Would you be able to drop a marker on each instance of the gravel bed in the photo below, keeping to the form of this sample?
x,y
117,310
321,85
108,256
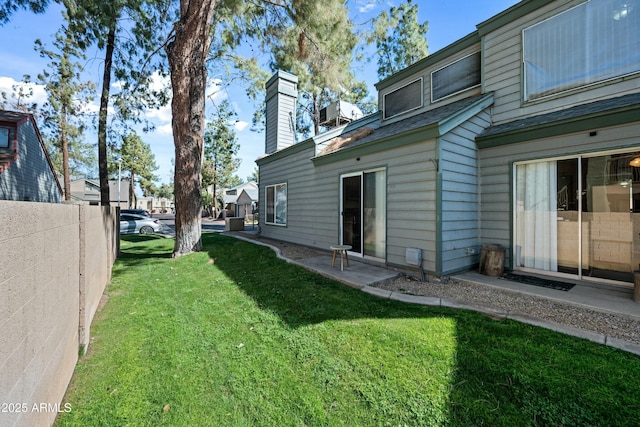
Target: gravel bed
x,y
493,299
505,300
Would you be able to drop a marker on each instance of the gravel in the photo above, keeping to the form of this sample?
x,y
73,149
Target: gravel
x,y
504,300
493,299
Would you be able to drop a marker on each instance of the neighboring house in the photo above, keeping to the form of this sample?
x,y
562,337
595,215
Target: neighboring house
x,y
155,204
525,133
241,201
86,190
26,172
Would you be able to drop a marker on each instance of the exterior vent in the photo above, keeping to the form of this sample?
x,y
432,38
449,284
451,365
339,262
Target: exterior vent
x,y
413,256
339,113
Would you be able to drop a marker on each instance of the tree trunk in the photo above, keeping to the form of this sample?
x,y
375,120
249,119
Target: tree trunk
x,y
64,142
102,118
131,190
187,55
316,116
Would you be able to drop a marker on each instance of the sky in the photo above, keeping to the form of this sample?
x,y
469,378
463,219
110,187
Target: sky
x,y
446,25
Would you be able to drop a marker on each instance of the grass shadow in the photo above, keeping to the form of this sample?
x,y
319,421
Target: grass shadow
x,y
133,254
501,367
237,326
299,297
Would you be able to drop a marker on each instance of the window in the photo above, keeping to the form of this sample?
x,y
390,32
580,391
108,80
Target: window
x,y
406,98
456,77
4,138
576,215
276,197
595,41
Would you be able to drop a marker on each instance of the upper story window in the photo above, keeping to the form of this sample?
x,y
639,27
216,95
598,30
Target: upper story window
x,y
456,77
276,200
595,41
401,100
4,138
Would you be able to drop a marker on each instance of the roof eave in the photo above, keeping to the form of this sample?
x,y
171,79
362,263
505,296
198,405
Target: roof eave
x,y
429,131
587,122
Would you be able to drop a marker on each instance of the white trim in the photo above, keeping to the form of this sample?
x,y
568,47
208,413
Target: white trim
x,y
578,157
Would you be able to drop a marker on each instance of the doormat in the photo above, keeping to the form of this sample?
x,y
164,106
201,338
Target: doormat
x,y
537,281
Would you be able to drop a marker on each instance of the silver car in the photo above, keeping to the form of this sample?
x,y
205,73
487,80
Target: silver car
x,y
132,223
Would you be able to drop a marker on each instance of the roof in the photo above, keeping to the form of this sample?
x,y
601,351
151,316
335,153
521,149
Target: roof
x,y
19,118
14,116
436,119
250,187
603,113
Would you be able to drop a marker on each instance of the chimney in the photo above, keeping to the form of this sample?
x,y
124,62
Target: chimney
x,y
280,120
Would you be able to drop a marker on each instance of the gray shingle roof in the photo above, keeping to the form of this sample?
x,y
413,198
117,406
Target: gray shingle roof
x,y
431,117
571,113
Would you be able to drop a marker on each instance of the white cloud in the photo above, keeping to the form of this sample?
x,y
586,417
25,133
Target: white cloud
x,y
159,82
39,95
215,91
366,6
162,114
165,129
241,125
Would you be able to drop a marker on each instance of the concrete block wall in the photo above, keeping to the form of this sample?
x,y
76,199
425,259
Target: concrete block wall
x,y
100,238
51,257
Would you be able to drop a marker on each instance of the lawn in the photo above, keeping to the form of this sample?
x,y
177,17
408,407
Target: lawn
x,y
234,336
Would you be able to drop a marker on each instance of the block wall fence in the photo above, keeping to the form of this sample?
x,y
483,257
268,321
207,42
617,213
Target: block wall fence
x,y
55,262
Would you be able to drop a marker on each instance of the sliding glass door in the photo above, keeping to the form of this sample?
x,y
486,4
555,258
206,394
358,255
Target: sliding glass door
x,y
363,211
579,216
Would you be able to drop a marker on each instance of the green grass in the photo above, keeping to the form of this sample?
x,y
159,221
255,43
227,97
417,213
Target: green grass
x,y
236,337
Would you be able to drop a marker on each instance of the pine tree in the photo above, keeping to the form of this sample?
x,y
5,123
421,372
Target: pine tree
x,y
67,97
399,38
220,151
135,159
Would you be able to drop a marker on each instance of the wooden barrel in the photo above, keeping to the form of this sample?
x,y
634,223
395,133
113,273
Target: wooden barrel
x,y
492,260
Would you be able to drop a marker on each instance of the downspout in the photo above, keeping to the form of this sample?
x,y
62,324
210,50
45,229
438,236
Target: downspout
x,y
439,267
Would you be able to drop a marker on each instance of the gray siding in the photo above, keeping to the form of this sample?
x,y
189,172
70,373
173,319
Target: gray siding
x,y
281,94
460,200
314,198
496,172
29,178
503,71
425,73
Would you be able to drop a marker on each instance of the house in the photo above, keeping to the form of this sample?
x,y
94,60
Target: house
x,y
525,133
241,201
26,171
155,204
86,190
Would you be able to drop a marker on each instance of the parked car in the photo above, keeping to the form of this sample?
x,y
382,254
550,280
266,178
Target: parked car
x,y
132,223
136,212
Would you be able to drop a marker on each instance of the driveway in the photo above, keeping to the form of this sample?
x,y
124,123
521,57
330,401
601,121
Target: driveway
x,y
208,224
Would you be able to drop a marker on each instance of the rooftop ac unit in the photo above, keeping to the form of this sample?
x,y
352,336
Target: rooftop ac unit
x,y
339,113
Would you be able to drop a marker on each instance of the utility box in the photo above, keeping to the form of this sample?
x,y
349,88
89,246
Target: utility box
x,y
234,224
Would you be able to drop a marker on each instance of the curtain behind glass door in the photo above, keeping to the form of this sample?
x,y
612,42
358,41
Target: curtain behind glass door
x,y
536,234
